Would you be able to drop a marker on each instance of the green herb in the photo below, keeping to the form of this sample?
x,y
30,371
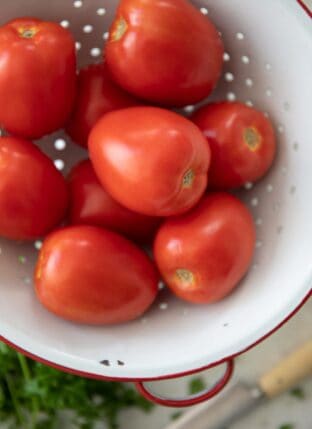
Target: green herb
x,y
287,426
298,393
30,394
176,415
196,385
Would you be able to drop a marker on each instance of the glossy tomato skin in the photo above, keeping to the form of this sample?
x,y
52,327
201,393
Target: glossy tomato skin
x,y
203,254
150,160
33,193
115,283
90,204
174,49
242,143
37,77
97,94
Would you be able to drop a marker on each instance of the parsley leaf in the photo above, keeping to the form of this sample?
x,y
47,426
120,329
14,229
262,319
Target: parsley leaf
x,y
196,385
30,394
298,393
287,426
176,415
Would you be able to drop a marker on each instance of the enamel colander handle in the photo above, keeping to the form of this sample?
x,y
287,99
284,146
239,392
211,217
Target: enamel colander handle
x,y
193,399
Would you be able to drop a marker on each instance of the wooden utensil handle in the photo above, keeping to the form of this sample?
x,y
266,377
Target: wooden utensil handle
x,y
288,372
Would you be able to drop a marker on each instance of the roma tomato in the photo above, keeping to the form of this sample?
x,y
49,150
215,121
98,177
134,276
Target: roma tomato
x,y
115,283
242,143
150,160
90,204
203,254
96,94
33,193
37,77
164,51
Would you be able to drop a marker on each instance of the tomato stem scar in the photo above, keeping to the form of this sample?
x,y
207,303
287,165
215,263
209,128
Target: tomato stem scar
x,y
119,29
185,277
252,138
188,179
28,33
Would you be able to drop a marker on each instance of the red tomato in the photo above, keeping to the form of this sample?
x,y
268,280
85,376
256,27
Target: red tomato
x,y
97,94
242,143
37,77
150,160
164,51
33,193
90,204
203,254
115,283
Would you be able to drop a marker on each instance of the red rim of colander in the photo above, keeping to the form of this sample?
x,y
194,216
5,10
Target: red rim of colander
x,y
305,7
164,377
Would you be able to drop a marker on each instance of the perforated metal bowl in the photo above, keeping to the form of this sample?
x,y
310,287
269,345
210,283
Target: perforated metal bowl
x,y
268,65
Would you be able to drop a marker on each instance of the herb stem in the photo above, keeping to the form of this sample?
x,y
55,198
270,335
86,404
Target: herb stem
x,y
24,366
15,402
27,375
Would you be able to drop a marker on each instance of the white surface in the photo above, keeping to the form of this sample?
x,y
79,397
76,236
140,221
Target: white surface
x,y
185,337
249,367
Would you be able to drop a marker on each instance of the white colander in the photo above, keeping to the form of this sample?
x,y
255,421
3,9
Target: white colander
x,y
268,64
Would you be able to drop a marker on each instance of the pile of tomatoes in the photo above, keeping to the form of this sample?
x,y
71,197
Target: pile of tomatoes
x,y
153,177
